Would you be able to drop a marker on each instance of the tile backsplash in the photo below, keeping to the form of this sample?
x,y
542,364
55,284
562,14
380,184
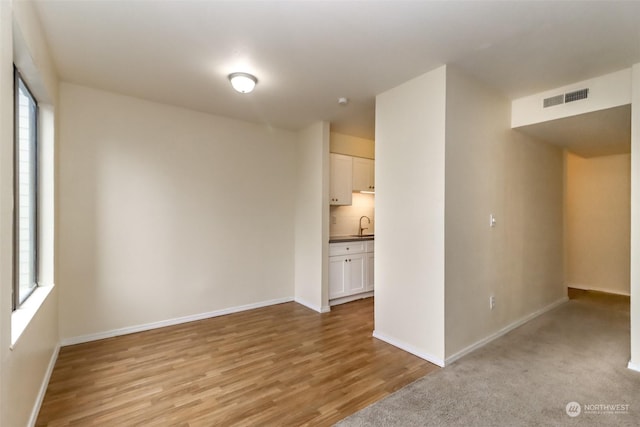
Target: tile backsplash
x,y
344,220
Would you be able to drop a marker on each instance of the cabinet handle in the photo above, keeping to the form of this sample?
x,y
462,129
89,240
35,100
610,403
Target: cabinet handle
x,y
347,248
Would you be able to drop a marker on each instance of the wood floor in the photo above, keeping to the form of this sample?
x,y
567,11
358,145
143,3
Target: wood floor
x,y
282,365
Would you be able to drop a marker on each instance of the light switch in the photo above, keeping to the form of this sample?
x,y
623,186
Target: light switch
x,y
492,220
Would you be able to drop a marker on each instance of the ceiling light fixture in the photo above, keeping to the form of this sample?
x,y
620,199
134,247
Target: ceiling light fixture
x,y
243,82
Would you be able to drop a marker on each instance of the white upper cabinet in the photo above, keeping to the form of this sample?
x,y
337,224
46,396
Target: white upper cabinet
x,y
363,174
340,179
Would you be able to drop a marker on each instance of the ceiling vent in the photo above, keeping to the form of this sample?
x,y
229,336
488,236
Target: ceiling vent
x,y
554,100
576,95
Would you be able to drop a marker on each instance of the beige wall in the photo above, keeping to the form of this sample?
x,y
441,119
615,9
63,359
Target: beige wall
x,y
24,367
446,158
27,366
493,169
598,223
410,183
312,217
345,220
352,145
166,212
634,363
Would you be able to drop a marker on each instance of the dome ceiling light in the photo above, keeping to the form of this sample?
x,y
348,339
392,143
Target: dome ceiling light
x,y
243,82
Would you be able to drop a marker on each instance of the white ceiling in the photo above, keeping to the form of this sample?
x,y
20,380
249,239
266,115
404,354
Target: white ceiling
x,y
599,133
306,54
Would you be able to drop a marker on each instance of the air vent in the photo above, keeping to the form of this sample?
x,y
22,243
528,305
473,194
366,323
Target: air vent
x,y
576,95
554,100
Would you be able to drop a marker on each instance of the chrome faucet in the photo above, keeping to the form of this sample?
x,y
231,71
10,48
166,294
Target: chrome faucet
x,y
363,228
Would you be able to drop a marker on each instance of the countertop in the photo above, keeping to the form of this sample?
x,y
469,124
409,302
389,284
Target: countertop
x,y
342,239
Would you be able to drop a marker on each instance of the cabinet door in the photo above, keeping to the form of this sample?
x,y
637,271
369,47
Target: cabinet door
x,y
356,273
369,274
341,177
361,175
337,276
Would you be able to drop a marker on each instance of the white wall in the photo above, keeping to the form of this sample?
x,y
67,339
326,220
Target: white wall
x,y
409,264
493,169
610,90
634,363
165,212
6,213
24,367
598,213
312,217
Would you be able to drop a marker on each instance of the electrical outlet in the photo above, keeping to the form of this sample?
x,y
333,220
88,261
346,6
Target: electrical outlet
x,y
492,302
334,219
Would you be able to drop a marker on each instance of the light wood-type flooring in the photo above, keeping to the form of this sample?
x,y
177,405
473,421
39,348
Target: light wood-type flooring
x,y
283,365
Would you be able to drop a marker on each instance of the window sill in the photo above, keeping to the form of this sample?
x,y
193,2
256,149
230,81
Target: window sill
x,y
21,317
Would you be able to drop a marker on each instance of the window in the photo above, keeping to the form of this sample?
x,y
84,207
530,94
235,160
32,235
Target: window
x,y
25,192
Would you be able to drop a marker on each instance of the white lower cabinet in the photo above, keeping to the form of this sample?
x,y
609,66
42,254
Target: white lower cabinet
x,y
346,275
369,274
350,269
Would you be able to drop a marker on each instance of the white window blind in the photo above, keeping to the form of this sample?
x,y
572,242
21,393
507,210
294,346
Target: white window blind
x,y
25,204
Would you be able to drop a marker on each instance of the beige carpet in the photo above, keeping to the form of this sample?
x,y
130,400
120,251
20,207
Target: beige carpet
x,y
575,353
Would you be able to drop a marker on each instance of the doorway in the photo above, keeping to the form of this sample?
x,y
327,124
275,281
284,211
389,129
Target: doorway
x,y
597,197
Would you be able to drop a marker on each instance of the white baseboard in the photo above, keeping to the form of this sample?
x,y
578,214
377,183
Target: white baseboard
x,y
591,288
633,366
43,387
170,322
310,306
504,330
408,348
350,298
